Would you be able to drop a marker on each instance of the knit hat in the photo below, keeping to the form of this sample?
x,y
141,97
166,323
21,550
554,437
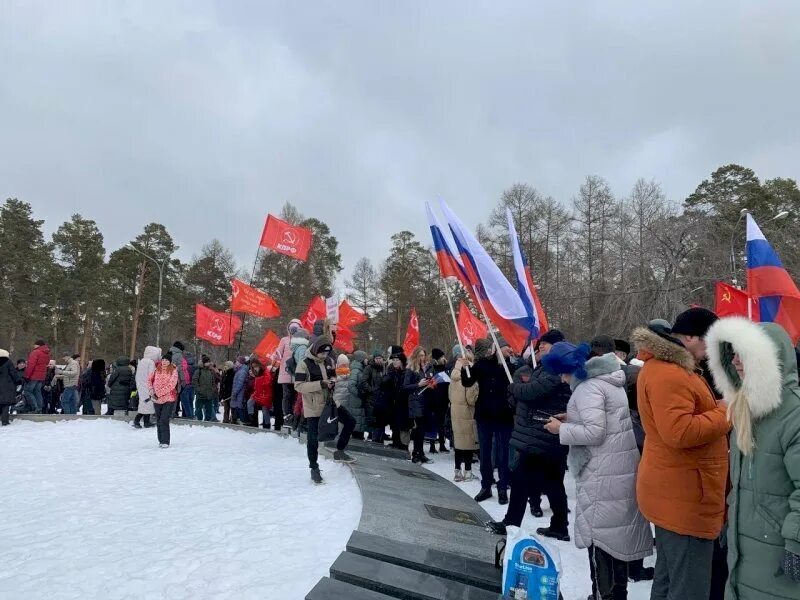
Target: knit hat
x,y
437,354
342,360
552,337
377,354
293,324
602,344
167,356
40,342
482,347
565,358
622,346
359,356
695,321
3,353
178,345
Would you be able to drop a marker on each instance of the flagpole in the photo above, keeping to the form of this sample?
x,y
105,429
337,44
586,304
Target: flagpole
x,y
492,333
533,355
455,324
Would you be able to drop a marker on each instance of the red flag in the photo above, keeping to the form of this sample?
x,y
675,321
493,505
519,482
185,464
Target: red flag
x,y
218,328
344,339
412,333
286,238
349,316
731,301
247,299
267,346
470,327
316,310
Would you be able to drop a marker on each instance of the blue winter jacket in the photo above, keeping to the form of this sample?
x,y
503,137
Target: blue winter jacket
x,y
239,383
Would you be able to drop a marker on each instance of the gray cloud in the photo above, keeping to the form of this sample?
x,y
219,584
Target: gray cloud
x,y
206,116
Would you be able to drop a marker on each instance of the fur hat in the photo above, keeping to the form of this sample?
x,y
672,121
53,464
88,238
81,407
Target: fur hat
x,y
393,350
695,321
3,353
437,354
622,346
602,344
565,358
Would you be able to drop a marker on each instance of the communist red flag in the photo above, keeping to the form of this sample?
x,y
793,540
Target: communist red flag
x,y
247,299
344,339
316,310
731,301
349,316
286,238
470,327
267,346
218,328
412,334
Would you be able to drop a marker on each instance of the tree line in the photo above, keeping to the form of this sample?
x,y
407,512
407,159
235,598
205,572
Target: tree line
x,y
604,262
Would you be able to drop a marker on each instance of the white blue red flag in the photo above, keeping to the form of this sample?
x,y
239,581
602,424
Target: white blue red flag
x,y
525,287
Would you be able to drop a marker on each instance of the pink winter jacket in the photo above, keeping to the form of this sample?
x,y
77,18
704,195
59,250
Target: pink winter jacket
x,y
164,382
283,352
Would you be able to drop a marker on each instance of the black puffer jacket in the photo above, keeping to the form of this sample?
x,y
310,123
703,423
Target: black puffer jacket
x,y
535,394
121,382
9,380
492,405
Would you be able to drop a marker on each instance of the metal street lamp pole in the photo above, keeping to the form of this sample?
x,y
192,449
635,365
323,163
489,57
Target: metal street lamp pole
x,y
160,266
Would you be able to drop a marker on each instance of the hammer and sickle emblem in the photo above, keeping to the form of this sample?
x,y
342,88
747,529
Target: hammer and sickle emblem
x,y
727,296
235,289
290,237
218,325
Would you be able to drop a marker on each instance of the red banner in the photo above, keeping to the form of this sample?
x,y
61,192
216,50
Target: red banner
x,y
412,333
349,316
219,329
267,346
247,299
315,311
731,301
344,339
470,327
286,238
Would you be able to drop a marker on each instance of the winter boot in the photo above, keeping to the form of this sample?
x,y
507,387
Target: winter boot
x,y
484,494
147,423
536,511
137,421
562,536
468,476
433,449
502,497
459,476
443,449
497,527
316,477
341,456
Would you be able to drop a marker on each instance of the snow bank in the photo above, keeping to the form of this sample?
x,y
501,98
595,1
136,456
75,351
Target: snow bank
x,y
94,509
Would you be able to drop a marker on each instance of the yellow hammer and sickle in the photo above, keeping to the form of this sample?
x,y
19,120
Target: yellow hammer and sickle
x,y
727,296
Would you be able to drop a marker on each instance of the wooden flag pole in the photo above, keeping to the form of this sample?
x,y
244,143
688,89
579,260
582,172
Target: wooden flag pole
x,y
500,358
455,324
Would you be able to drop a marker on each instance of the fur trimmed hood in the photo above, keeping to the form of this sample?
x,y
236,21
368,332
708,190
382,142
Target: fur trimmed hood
x,y
768,358
649,342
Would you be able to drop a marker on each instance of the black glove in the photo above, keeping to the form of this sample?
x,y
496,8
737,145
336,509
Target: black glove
x,y
791,566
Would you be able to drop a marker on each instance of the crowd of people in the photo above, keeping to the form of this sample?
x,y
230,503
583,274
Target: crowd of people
x,y
656,433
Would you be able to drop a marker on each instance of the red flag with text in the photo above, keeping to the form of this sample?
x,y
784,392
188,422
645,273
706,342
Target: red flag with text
x,y
247,299
412,334
731,301
316,311
470,327
267,346
344,339
286,238
349,316
219,329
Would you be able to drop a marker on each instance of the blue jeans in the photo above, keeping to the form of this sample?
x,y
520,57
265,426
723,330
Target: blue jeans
x,y
69,401
33,392
187,397
488,433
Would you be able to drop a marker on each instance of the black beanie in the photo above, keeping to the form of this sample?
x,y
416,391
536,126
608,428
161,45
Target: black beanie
x,y
622,346
179,345
395,350
602,344
437,354
695,321
552,337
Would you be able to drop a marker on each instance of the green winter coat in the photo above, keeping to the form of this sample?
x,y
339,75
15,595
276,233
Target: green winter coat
x,y
204,385
764,502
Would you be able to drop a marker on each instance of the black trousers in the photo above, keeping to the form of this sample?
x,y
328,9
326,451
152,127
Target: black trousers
x,y
418,437
287,401
4,410
163,415
609,575
464,457
312,436
719,569
532,475
683,567
138,419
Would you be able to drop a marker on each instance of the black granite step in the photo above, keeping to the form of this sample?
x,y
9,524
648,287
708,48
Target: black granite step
x,y
433,562
370,448
401,582
331,589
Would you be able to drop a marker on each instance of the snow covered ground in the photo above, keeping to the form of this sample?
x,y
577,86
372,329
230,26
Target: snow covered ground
x,y
575,581
94,509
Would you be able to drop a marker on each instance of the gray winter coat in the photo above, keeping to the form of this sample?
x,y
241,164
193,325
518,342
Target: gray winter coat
x,y
603,458
70,374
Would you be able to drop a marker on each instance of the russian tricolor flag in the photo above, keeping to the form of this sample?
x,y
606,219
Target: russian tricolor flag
x,y
449,263
770,284
525,287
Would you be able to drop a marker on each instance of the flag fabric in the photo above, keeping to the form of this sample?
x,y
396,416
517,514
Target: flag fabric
x,y
731,301
219,329
316,311
411,340
501,301
525,285
447,259
344,339
286,238
247,299
770,284
268,345
349,316
470,327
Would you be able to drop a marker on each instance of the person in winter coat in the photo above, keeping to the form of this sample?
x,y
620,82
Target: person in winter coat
x,y
357,391
226,390
494,416
121,382
377,413
204,384
439,405
419,385
539,459
35,374
315,379
10,379
144,371
755,368
262,394
238,407
603,459
51,390
684,466
69,376
282,355
462,416
396,398
164,384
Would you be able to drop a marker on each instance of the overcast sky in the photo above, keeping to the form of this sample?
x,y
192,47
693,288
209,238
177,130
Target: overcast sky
x,y
206,116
